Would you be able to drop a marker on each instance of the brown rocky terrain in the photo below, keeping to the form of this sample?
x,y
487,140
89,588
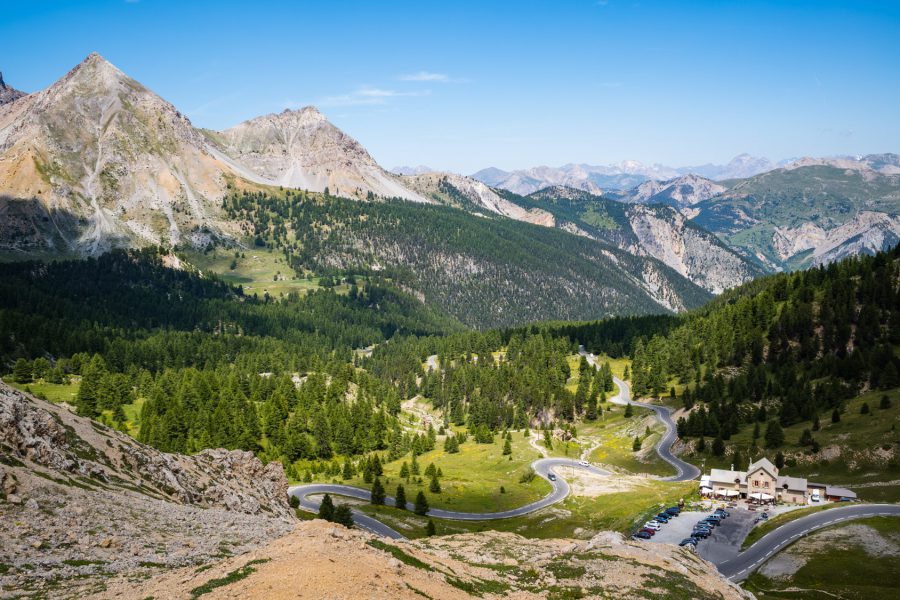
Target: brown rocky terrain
x,y
7,93
321,560
82,502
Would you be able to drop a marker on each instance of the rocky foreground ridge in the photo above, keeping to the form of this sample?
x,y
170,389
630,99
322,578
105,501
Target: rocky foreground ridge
x,y
320,560
81,503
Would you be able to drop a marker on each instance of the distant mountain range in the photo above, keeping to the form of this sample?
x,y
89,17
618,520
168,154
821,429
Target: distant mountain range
x,y
97,161
620,176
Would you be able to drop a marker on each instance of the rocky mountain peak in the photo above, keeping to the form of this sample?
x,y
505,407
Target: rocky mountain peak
x,y
8,94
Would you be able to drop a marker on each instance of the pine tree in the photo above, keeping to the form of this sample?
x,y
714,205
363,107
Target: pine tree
x,y
326,508
435,486
885,403
835,416
864,409
404,471
628,411
636,446
429,528
400,498
507,448
343,515
347,472
378,493
718,446
421,504
548,441
774,434
22,372
779,460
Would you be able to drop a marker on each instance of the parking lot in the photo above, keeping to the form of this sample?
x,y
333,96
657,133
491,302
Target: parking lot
x,y
725,541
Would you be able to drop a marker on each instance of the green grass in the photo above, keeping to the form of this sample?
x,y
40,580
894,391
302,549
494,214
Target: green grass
x,y
777,521
880,493
230,578
620,511
617,434
400,555
843,569
52,392
256,272
472,478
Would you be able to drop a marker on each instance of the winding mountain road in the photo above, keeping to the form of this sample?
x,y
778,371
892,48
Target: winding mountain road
x,y
542,467
686,471
735,569
745,563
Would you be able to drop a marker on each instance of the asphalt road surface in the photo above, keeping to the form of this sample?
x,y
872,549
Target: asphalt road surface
x,y
752,558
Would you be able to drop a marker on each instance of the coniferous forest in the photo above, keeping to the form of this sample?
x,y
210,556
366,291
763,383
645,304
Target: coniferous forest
x,y
317,376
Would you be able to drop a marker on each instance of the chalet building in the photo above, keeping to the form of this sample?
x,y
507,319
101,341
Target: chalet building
x,y
761,482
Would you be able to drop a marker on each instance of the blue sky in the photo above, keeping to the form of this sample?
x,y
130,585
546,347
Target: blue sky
x,y
465,85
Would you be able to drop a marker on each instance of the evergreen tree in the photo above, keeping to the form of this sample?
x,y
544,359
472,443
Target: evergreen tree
x,y
628,411
864,409
22,372
835,416
507,448
404,471
779,460
378,493
774,434
435,486
326,508
421,507
885,403
636,445
430,529
343,515
718,446
400,497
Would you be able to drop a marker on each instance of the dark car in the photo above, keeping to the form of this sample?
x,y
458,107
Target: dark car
x,y
700,533
721,512
641,535
551,476
673,511
662,518
688,542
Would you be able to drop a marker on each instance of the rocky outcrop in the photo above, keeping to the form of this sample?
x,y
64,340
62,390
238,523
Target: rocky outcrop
x,y
8,94
341,563
681,192
90,502
696,254
469,194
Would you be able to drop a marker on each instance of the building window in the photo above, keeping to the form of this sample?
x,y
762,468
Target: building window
x,y
755,483
766,484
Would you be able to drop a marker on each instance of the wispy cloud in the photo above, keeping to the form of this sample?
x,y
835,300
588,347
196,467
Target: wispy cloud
x,y
367,95
426,76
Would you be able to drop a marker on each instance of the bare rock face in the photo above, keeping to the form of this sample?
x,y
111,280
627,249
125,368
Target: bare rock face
x,y
103,161
680,192
43,435
8,94
301,149
89,502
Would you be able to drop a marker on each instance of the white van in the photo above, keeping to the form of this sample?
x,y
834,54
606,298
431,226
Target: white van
x,y
815,496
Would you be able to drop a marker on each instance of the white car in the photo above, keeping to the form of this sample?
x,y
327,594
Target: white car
x,y
584,463
654,525
815,496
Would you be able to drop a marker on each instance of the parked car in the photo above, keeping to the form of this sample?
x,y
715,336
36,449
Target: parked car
x,y
700,533
673,511
688,542
662,518
649,531
722,513
764,516
702,525
641,535
653,525
710,522
815,496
